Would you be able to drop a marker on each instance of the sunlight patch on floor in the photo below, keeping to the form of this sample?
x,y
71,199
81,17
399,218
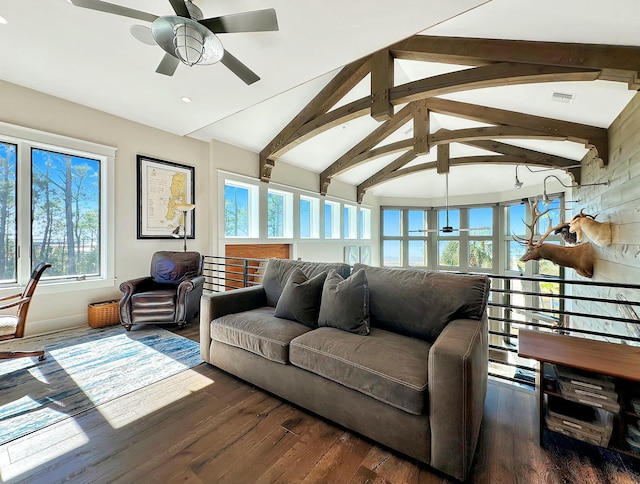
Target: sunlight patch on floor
x,y
127,409
41,450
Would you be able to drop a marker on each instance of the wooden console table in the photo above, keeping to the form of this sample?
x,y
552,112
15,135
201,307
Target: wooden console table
x,y
616,360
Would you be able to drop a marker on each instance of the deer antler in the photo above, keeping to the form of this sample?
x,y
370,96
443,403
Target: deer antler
x,y
532,227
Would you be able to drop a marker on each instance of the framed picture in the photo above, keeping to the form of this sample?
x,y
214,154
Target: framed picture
x,y
351,254
162,187
365,254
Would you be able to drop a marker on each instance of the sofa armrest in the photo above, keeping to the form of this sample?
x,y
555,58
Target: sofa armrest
x,y
458,366
219,304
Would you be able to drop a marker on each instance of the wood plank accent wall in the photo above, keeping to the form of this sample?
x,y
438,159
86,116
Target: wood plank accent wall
x,y
252,251
618,203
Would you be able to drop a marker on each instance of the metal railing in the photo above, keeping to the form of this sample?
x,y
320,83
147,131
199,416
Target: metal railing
x,y
588,309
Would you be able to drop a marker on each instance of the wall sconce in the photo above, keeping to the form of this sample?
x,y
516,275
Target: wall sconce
x,y
184,208
545,197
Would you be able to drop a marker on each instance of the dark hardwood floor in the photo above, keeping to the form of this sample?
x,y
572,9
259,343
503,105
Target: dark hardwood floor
x,y
205,426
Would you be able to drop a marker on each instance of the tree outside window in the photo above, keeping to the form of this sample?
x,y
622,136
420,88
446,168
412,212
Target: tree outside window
x,y
8,233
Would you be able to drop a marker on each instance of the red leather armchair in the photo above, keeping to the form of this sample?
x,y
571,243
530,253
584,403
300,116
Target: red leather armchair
x,y
171,294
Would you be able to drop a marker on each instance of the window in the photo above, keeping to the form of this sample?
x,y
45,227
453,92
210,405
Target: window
x,y
480,243
65,207
309,223
331,220
449,243
55,208
365,223
515,217
417,225
350,221
391,253
8,229
237,212
279,214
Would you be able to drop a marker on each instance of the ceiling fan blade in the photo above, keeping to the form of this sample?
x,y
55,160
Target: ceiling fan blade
x,y
114,9
180,8
256,21
239,69
168,65
143,34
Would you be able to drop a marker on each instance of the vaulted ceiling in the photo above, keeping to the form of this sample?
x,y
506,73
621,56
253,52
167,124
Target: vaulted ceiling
x,y
438,105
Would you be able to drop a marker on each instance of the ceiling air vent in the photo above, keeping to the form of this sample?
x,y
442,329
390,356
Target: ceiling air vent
x,y
562,97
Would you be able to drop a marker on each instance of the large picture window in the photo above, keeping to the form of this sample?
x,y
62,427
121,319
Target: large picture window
x,y
65,207
240,203
56,206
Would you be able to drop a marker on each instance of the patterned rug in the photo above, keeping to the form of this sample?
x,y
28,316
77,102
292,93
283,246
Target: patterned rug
x,y
84,368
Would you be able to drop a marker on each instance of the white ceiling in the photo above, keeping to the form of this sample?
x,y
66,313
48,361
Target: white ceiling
x,y
91,58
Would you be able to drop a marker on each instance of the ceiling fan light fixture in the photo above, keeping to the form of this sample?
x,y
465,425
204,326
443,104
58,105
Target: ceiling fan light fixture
x,y
190,41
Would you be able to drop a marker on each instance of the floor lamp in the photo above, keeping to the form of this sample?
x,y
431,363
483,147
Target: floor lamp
x,y
184,208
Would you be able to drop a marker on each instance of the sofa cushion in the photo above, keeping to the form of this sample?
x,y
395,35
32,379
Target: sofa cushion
x,y
258,331
278,271
345,303
386,366
421,303
300,299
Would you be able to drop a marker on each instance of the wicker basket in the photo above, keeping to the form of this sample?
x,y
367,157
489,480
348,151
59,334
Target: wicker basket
x,y
103,314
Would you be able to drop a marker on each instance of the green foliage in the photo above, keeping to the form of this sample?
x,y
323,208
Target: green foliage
x,y
481,254
450,253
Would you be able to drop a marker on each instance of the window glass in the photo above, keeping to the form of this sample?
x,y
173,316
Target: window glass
x,y
65,201
454,218
417,221
331,220
516,217
481,219
552,217
391,253
309,221
449,253
480,254
279,214
391,223
350,222
365,223
8,229
417,253
236,210
516,250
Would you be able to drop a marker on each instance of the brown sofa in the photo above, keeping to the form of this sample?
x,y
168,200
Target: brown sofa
x,y
416,382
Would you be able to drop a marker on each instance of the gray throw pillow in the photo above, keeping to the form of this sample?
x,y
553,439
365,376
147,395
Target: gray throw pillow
x,y
345,303
300,298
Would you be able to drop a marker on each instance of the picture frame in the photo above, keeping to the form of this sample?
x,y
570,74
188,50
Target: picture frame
x,y
351,254
365,254
160,186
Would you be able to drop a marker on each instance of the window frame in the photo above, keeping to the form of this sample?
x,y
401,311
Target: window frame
x,y
26,139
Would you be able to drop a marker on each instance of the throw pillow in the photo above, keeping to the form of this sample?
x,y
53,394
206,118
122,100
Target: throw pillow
x,y
345,303
300,299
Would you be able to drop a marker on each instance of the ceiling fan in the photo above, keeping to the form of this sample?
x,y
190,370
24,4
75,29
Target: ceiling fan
x,y
448,229
188,38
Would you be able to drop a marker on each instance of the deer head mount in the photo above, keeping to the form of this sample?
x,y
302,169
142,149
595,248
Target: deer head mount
x,y
579,257
598,232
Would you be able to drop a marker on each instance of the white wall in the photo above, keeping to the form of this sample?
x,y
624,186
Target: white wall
x,y
24,107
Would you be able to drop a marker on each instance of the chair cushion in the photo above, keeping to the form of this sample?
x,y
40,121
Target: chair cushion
x,y
421,303
278,271
152,306
300,299
386,366
345,303
168,267
259,332
8,325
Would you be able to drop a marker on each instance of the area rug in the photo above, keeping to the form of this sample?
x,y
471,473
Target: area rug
x,y
84,368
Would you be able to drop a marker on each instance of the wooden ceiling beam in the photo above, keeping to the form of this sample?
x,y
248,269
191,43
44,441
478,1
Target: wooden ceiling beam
x,y
421,126
383,175
617,62
490,132
398,163
442,163
346,161
389,149
493,75
381,84
590,136
337,88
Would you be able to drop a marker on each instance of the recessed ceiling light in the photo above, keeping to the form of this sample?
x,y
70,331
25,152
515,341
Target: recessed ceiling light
x,y
185,99
3,20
